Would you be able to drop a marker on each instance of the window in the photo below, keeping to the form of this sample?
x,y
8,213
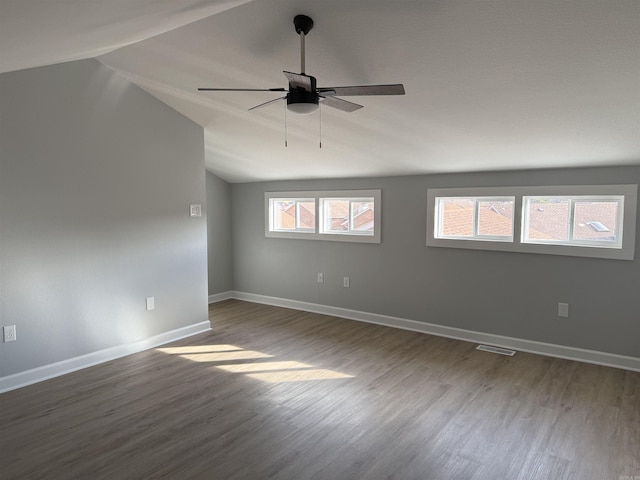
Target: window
x,y
292,215
586,221
345,215
474,218
577,220
350,216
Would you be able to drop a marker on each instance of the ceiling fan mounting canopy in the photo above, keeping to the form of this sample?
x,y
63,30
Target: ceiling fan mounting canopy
x,y
303,24
303,96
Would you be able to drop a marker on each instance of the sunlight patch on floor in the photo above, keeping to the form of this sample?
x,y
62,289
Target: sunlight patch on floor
x,y
271,372
198,349
224,356
298,375
263,366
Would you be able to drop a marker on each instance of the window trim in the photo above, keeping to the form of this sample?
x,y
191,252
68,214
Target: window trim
x,y
318,196
627,226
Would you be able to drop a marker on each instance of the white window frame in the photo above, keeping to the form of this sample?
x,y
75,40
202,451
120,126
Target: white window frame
x,y
322,224
476,236
593,249
298,200
319,234
571,201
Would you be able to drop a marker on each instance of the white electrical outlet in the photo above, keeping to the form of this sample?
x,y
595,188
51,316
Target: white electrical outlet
x,y
345,282
195,210
9,333
563,309
151,303
320,278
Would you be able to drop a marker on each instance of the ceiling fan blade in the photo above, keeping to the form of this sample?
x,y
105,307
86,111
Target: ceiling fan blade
x,y
395,89
340,104
299,80
242,89
267,103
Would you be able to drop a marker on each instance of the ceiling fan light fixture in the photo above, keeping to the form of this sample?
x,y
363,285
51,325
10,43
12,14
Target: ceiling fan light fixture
x,y
302,102
302,108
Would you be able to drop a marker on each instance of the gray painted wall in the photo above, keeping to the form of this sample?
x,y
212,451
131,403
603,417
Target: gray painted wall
x,y
96,178
219,235
511,294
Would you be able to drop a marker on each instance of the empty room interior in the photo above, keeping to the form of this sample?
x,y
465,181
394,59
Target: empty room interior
x,y
325,240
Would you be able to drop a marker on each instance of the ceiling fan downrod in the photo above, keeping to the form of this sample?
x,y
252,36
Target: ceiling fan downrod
x,y
303,26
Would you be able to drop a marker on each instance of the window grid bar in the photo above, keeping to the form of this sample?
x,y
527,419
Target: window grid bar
x,y
572,216
476,218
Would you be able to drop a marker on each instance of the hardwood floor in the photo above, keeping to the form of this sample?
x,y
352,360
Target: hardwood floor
x,y
272,393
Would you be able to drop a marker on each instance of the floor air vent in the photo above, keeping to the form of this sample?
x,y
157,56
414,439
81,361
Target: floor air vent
x,y
501,351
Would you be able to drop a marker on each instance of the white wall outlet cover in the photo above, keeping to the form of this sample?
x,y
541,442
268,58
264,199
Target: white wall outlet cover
x,y
151,303
9,333
195,210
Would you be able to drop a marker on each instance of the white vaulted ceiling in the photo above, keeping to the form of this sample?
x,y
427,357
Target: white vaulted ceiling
x,y
490,85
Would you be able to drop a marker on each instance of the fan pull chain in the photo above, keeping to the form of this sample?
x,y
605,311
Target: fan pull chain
x,y
320,122
285,125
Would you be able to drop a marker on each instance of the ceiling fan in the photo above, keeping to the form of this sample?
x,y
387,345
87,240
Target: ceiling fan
x,y
303,96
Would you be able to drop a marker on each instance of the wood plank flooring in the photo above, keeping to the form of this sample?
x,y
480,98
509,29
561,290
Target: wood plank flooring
x,y
272,393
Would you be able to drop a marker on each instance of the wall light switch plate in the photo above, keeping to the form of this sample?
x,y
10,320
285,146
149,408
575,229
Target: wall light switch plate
x,y
151,303
345,282
195,210
563,309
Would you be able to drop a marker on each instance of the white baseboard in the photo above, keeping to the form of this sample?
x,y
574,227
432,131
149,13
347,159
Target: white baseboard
x,y
523,345
22,379
219,297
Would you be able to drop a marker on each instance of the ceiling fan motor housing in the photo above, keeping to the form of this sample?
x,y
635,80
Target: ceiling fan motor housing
x,y
302,97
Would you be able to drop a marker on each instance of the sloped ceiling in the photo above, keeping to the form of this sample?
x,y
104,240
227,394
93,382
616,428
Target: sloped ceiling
x,y
491,85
